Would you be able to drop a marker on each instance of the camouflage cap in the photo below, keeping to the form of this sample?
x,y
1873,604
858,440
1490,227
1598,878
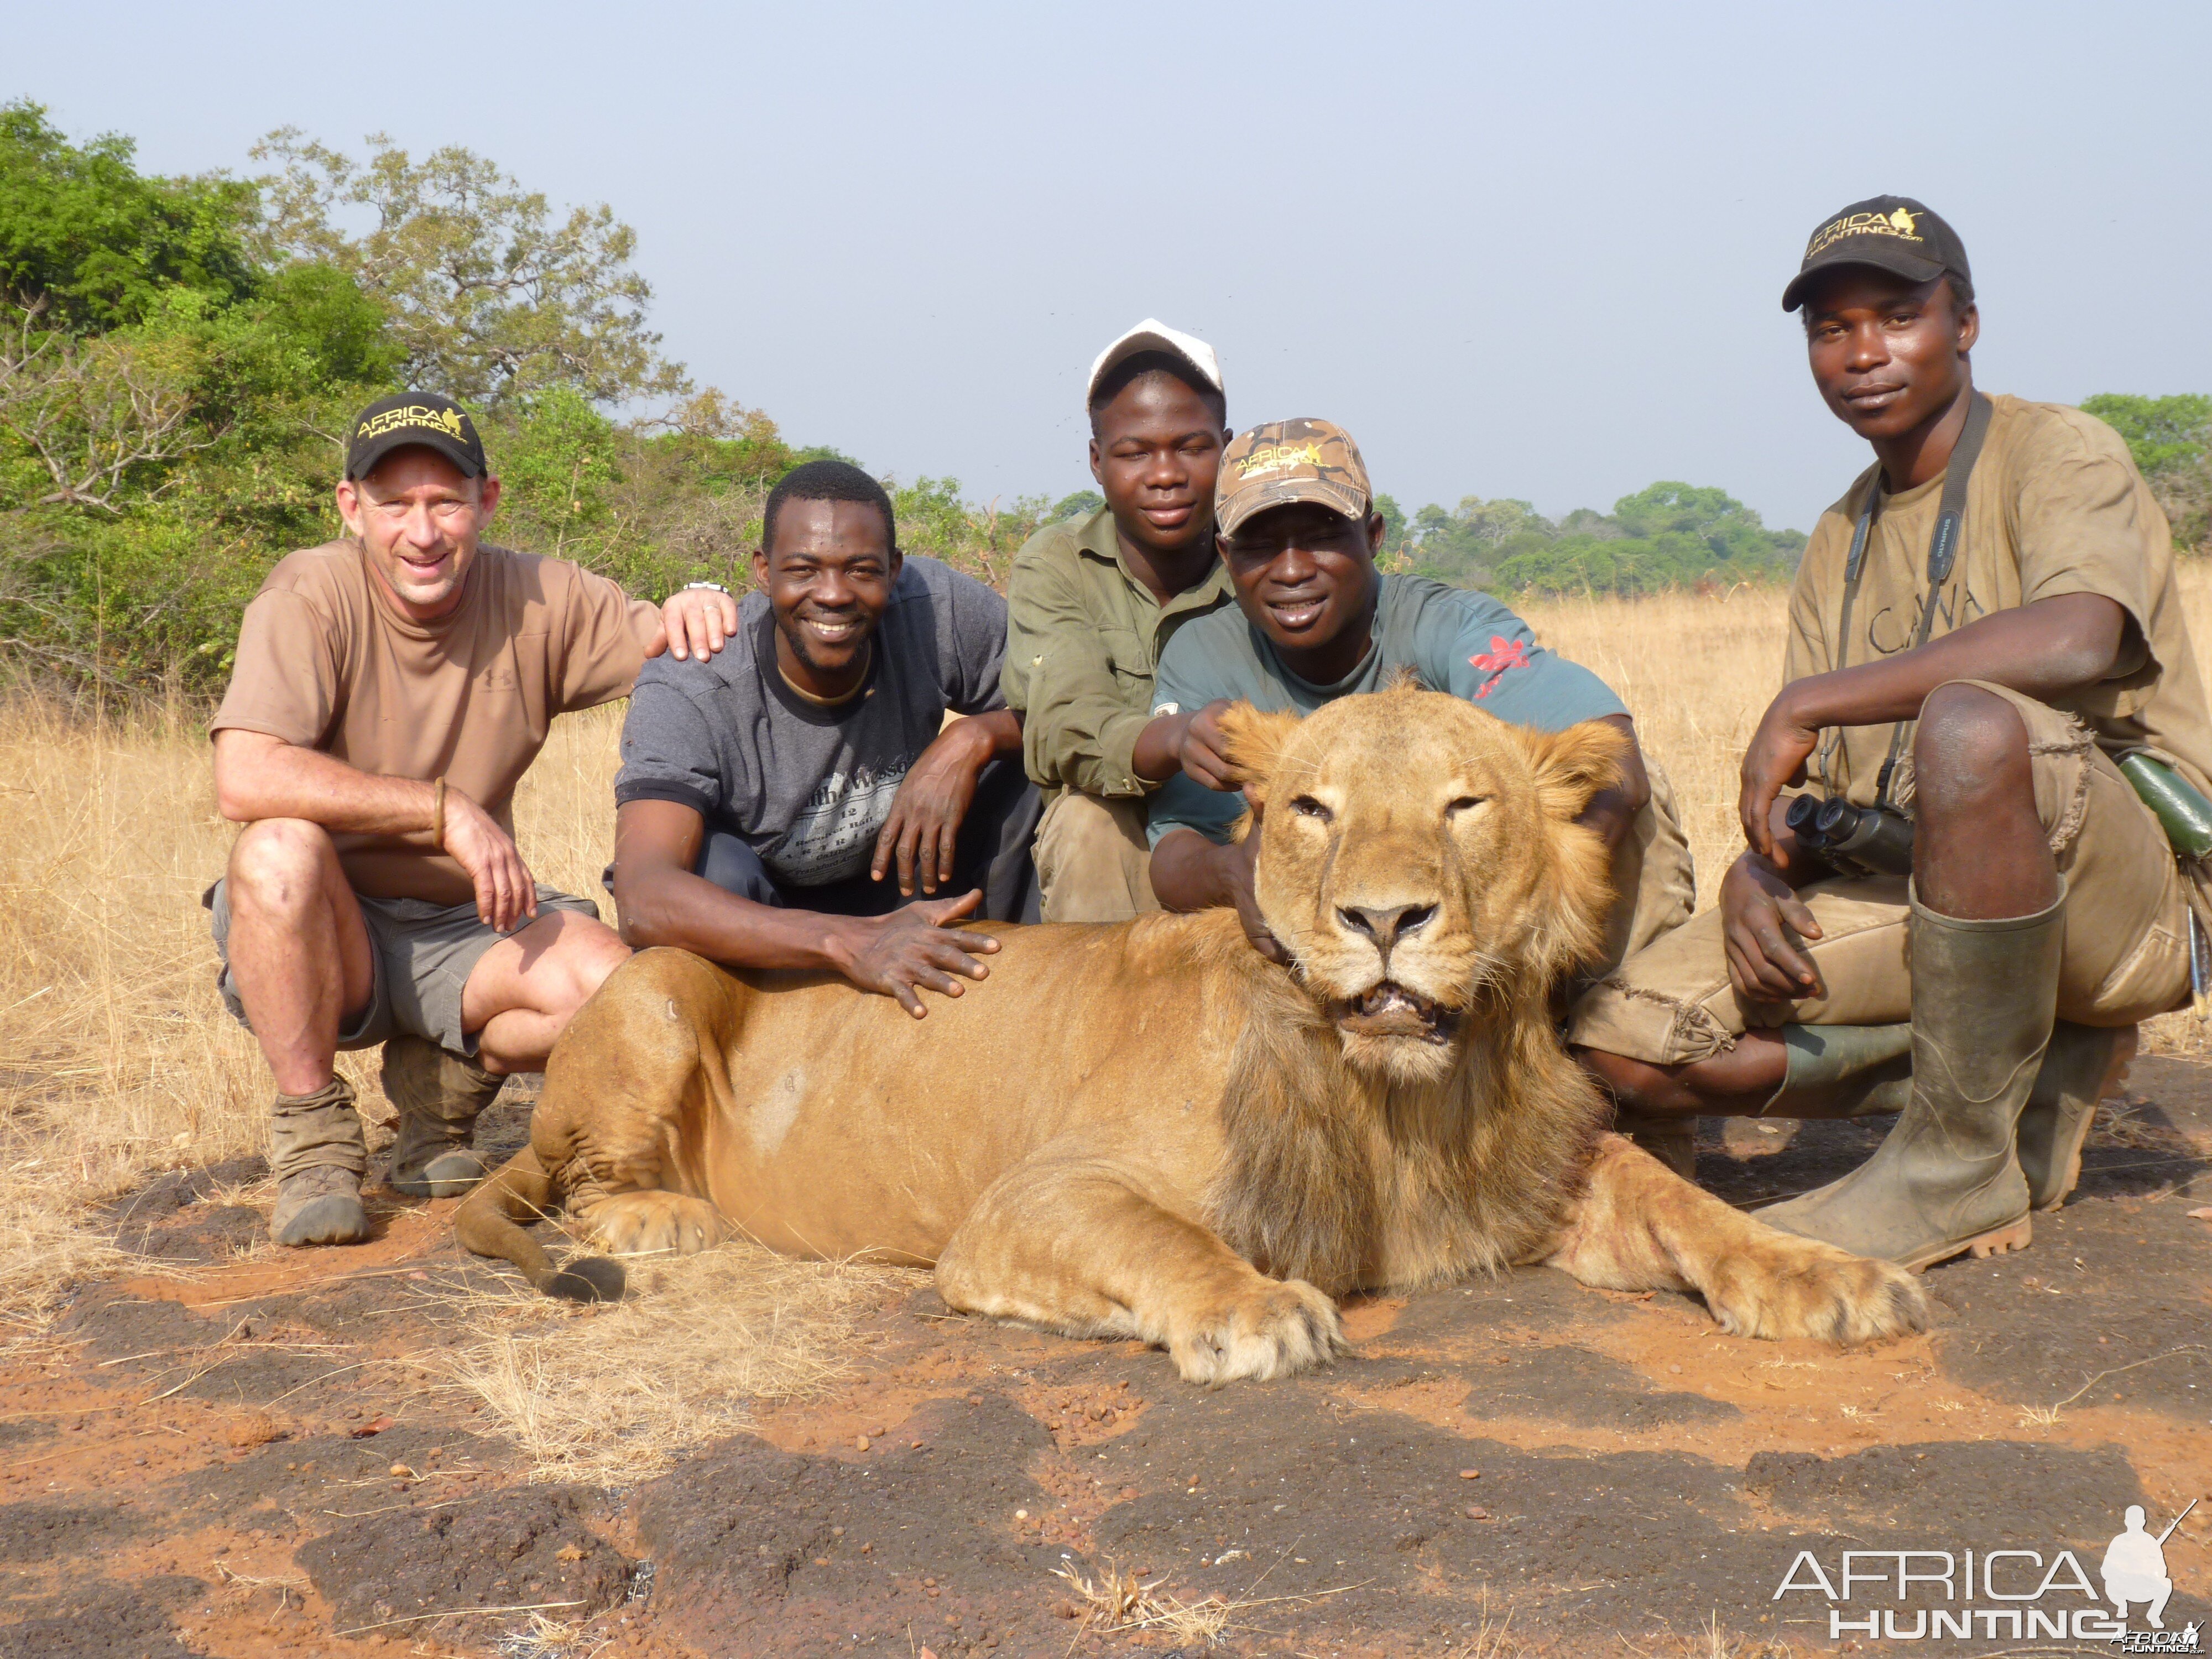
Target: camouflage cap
x,y
1289,461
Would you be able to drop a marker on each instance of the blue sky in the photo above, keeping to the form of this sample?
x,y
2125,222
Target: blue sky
x,y
1517,250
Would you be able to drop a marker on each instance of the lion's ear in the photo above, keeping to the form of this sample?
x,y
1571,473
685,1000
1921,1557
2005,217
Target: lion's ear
x,y
1573,765
1252,743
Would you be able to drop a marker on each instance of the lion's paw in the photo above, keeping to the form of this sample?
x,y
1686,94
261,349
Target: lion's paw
x,y
653,1223
1270,1328
1801,1287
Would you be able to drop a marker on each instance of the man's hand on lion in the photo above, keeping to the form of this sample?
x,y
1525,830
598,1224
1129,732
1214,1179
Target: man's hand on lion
x,y
1243,860
1763,923
933,800
506,890
910,947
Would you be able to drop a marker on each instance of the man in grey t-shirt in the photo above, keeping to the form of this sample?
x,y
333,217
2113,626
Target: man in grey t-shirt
x,y
795,799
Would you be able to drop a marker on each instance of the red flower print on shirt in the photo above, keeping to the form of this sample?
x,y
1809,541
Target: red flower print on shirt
x,y
1503,653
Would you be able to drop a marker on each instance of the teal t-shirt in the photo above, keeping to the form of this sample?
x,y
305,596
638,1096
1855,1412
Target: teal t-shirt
x,y
1455,641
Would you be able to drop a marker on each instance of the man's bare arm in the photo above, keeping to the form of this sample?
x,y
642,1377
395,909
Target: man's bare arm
x,y
657,845
258,776
2043,650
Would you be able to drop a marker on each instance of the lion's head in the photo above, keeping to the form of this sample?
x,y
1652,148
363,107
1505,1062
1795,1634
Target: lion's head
x,y
1420,862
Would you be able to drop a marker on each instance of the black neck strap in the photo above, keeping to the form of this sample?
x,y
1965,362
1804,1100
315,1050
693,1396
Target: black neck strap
x,y
1942,555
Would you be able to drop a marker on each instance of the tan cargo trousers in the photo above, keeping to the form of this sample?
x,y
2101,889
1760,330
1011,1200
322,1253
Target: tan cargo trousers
x,y
2126,954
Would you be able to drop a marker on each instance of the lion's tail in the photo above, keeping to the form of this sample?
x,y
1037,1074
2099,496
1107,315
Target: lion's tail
x,y
490,1223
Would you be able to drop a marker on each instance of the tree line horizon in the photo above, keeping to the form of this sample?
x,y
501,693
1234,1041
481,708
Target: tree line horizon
x,y
178,356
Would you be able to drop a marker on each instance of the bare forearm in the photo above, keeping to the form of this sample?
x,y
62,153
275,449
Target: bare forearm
x,y
2044,650
1190,872
1003,728
261,778
664,906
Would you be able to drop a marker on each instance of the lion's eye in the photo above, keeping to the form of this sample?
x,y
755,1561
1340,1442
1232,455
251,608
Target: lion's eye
x,y
1464,804
1307,807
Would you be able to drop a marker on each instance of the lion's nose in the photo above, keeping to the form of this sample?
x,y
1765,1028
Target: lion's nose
x,y
1386,925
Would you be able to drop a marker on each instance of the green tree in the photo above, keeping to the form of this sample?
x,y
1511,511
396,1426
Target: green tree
x,y
100,243
489,294
2170,439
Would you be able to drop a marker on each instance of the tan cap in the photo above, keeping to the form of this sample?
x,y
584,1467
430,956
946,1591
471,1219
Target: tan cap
x,y
1153,334
1289,461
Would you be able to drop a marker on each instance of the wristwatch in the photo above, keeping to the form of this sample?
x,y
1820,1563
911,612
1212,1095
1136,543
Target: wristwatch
x,y
716,586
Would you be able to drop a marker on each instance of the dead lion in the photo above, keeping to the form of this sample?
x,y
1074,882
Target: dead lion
x,y
1148,1130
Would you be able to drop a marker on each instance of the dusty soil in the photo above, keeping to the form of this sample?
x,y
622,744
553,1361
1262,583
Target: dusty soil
x,y
238,1453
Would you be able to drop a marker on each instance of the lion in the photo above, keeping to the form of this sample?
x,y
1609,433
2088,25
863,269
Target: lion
x,y
1148,1129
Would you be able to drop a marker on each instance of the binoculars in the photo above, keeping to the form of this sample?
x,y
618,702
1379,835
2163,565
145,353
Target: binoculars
x,y
1860,840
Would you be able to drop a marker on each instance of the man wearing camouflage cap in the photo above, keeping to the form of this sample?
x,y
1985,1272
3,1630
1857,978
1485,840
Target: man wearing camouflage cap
x,y
1315,620
1965,913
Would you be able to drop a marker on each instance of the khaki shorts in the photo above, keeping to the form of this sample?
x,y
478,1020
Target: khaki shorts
x,y
422,955
1093,862
2126,955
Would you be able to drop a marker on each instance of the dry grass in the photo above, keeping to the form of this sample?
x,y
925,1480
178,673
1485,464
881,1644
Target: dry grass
x,y
610,1394
117,1060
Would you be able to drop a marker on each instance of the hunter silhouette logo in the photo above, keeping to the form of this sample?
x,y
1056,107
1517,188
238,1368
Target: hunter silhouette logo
x,y
1902,221
2017,1594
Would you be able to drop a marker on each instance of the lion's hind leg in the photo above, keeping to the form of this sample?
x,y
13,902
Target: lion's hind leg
x,y
1072,1245
1640,1227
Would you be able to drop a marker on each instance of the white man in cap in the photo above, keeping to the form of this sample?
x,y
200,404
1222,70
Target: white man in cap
x,y
1093,601
391,688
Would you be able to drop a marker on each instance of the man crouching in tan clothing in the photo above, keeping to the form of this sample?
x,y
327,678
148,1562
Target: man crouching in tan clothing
x,y
391,690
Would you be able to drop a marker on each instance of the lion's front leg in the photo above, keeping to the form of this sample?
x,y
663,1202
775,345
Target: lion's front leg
x,y
1076,1247
1640,1227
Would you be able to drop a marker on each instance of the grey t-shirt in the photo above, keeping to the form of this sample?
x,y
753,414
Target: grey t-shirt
x,y
808,789
1465,643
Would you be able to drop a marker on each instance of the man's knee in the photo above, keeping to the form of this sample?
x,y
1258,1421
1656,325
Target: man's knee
x,y
584,954
279,865
1970,743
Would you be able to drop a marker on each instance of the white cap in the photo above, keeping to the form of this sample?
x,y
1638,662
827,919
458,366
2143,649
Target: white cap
x,y
1153,334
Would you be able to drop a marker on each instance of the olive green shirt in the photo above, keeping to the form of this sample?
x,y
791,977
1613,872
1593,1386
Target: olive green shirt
x,y
1083,637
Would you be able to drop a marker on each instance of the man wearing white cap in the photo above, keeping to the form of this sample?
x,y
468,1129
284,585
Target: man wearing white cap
x,y
1092,603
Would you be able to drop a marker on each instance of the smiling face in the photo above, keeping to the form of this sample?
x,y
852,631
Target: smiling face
x,y
828,578
1889,356
419,517
1155,450
1304,573
1420,861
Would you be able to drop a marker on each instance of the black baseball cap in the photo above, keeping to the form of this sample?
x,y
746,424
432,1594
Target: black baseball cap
x,y
1891,232
415,418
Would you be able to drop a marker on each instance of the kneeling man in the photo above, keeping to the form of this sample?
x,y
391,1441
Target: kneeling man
x,y
1314,620
1985,630
768,794
391,690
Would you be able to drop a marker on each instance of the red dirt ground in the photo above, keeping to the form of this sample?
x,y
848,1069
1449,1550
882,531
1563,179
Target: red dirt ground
x,y
244,1462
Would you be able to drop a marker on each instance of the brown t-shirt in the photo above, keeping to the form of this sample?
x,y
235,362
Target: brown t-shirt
x,y
327,662
2054,505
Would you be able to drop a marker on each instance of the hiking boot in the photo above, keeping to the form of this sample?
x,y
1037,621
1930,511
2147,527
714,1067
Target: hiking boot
x,y
1843,1071
2083,1065
1946,1181
318,1205
1671,1139
439,1096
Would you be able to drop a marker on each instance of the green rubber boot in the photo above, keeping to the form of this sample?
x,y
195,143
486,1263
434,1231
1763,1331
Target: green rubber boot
x,y
1946,1181
1843,1071
439,1096
2083,1065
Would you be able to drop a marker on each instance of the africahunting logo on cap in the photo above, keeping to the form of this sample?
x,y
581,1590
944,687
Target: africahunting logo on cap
x,y
1898,223
1286,461
451,421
